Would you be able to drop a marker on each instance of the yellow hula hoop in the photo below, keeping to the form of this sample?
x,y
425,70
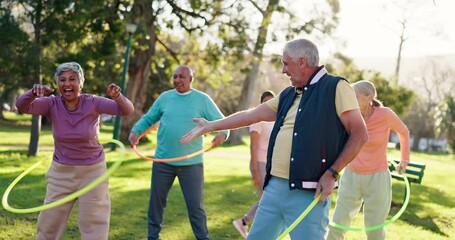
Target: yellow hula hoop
x,y
175,159
300,218
67,198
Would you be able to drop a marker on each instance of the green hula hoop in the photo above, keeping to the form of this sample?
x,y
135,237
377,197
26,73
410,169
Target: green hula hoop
x,y
67,198
300,218
393,219
333,224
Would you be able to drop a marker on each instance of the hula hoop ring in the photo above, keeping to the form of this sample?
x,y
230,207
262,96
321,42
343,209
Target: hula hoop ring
x,y
174,159
300,218
67,198
391,220
333,224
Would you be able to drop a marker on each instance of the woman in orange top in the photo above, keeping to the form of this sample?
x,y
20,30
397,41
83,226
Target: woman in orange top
x,y
367,178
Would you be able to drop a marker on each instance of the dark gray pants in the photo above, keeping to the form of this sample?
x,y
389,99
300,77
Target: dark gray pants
x,y
191,179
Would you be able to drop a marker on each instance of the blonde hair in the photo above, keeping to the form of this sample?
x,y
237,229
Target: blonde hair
x,y
367,88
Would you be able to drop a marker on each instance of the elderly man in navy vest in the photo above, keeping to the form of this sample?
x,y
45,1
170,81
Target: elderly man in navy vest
x,y
318,131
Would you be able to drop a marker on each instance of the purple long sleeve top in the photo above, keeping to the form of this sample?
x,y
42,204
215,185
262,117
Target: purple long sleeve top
x,y
76,131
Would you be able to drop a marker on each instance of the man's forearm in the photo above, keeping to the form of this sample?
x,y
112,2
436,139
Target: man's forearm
x,y
234,121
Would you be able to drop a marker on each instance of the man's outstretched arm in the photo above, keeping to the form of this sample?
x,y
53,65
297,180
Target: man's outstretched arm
x,y
234,121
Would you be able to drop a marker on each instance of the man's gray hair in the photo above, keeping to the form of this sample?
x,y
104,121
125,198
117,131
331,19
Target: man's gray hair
x,y
67,66
188,69
303,48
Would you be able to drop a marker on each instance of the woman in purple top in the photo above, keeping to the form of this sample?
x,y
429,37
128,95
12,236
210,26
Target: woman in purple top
x,y
78,156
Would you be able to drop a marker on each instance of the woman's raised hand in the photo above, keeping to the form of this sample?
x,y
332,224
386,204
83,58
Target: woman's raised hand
x,y
113,90
40,90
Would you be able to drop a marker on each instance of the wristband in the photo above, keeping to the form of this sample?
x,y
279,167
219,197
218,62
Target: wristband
x,y
334,172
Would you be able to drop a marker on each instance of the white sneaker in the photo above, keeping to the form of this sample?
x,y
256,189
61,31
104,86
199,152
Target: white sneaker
x,y
241,228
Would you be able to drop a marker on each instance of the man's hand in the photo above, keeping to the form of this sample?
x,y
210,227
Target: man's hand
x,y
199,130
133,139
325,186
219,139
256,178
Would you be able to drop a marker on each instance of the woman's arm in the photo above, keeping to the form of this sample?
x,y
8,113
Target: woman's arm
x,y
30,103
402,130
119,105
254,149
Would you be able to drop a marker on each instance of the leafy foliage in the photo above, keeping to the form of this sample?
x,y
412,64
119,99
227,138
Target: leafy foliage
x,y
445,118
398,98
14,55
84,31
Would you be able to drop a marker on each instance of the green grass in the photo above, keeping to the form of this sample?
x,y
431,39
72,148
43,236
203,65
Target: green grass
x,y
228,193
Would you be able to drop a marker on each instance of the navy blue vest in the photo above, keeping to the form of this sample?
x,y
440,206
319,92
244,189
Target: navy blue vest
x,y
319,136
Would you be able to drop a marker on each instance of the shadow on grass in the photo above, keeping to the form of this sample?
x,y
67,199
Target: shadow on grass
x,y
28,193
420,195
12,155
135,167
224,200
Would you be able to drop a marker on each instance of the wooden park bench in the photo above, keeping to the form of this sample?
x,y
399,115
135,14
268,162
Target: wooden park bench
x,y
414,172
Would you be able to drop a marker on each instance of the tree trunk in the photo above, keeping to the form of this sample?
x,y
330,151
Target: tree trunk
x,y
245,101
136,92
36,119
1,110
415,144
400,49
249,84
139,67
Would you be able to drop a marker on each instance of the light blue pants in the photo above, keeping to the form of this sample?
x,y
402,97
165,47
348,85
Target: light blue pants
x,y
374,190
280,207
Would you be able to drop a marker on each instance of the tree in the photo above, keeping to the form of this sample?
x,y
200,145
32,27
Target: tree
x,y
419,121
229,20
396,97
251,73
67,30
436,78
436,84
14,42
402,38
403,13
237,35
35,12
155,19
445,120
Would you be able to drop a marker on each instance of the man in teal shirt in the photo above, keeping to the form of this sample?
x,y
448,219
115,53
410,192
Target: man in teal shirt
x,y
175,110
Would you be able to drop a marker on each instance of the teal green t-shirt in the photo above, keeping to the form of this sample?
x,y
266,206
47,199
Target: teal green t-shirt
x,y
175,112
